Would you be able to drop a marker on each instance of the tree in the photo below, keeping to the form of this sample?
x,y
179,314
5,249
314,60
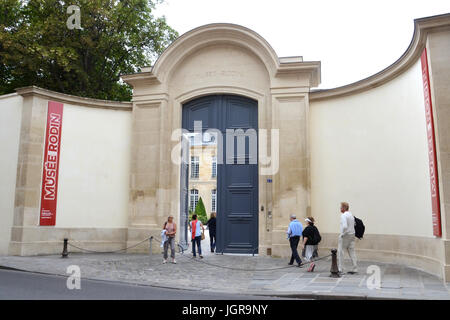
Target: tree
x,y
117,37
200,211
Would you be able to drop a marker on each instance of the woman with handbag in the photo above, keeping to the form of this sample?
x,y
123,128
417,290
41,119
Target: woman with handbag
x,y
311,238
197,231
170,228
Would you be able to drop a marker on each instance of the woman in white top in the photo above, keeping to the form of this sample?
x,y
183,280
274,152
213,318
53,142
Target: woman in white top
x,y
171,229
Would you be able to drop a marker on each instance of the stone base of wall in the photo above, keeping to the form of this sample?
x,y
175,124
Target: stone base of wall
x,y
426,254
28,241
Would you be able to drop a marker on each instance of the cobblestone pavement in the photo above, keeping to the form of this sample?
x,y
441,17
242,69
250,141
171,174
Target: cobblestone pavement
x,y
240,275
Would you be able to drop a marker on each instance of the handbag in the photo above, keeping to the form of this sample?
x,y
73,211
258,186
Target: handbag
x,y
203,235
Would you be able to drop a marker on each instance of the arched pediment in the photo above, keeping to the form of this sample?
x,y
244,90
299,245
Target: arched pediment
x,y
214,34
225,34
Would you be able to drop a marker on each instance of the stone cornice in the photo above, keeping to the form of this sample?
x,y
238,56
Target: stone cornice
x,y
309,67
71,99
223,33
422,27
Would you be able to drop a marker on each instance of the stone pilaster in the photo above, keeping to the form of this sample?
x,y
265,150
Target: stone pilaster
x,y
147,169
291,183
29,169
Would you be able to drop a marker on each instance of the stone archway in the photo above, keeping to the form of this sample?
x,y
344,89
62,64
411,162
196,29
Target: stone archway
x,y
222,59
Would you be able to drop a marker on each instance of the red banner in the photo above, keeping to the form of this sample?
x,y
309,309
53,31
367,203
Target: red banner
x,y
435,204
51,164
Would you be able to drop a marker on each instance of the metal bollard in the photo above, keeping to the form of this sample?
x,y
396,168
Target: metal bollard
x,y
65,253
151,247
334,268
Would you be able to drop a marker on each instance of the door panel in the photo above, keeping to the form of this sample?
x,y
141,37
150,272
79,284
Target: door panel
x,y
184,195
237,177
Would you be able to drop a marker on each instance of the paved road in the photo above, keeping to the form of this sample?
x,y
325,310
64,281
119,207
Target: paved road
x,y
17,285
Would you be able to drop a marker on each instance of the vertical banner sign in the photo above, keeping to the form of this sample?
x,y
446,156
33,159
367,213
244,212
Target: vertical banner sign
x,y
435,205
51,164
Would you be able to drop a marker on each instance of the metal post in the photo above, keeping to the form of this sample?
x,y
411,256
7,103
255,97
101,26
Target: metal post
x,y
65,253
151,249
334,267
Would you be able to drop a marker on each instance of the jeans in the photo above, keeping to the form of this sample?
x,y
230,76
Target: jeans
x,y
212,240
198,241
347,243
294,244
169,242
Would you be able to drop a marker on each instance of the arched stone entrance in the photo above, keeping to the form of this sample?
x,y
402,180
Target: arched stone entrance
x,y
231,60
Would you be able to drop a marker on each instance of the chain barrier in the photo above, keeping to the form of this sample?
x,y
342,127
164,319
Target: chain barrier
x,y
243,269
115,251
199,261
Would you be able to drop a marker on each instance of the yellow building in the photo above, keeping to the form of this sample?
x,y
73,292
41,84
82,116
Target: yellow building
x,y
203,174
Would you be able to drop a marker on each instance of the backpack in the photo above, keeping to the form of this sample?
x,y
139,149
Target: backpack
x,y
359,228
317,238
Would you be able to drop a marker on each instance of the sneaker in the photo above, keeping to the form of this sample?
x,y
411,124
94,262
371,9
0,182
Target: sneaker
x,y
201,257
164,261
311,267
290,263
300,265
174,261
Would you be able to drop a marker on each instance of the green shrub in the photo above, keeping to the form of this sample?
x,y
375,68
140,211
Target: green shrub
x,y
200,211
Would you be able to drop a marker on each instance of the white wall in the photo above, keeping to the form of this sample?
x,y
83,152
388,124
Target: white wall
x,y
94,168
370,149
10,121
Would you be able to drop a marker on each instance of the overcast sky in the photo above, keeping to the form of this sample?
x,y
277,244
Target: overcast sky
x,y
353,39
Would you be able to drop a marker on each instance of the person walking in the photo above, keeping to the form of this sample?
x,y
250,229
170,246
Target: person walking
x,y
196,227
170,229
311,238
347,239
294,232
212,231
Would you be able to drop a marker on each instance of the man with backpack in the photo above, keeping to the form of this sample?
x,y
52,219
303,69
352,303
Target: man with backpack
x,y
347,238
311,238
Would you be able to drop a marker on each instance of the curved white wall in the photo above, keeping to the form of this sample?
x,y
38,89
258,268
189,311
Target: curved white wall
x,y
94,168
10,121
370,149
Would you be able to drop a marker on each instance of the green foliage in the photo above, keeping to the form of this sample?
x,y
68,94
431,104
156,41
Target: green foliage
x,y
200,211
117,37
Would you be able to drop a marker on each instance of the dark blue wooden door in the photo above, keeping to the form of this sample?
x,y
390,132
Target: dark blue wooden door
x,y
236,118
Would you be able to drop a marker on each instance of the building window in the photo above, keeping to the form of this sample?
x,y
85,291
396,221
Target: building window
x,y
214,167
213,200
194,167
193,199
